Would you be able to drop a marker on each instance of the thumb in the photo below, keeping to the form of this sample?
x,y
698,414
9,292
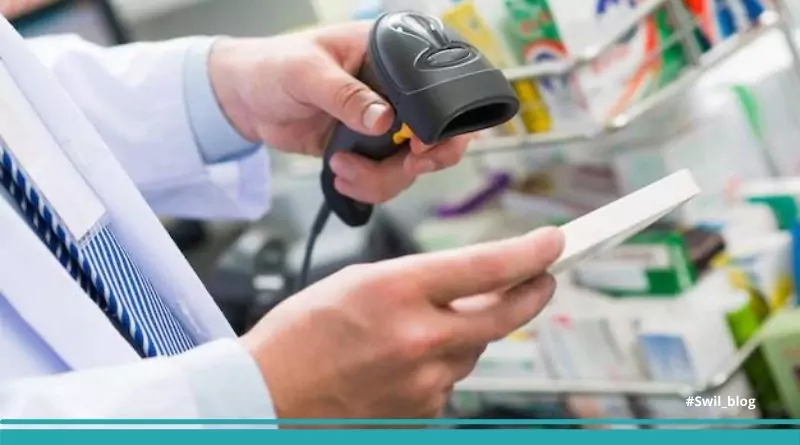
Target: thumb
x,y
347,99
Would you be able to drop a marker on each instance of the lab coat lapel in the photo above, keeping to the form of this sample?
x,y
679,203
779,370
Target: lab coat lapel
x,y
138,228
51,303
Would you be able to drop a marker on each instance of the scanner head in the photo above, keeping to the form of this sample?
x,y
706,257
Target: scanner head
x,y
438,84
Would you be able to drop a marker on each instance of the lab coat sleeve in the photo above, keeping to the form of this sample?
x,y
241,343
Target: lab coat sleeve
x,y
214,381
153,105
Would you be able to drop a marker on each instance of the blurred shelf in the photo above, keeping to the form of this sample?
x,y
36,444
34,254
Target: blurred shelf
x,y
632,388
539,70
770,21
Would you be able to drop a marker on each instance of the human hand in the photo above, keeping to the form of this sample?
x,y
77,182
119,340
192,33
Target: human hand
x,y
288,91
389,340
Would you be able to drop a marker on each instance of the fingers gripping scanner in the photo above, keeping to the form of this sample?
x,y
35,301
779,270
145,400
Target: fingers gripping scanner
x,y
439,87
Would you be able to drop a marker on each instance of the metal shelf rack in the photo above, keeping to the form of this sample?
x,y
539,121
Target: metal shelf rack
x,y
773,20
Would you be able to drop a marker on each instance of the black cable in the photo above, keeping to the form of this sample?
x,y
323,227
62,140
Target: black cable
x,y
316,229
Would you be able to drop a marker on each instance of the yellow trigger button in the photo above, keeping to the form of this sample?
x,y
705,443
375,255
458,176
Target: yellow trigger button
x,y
403,135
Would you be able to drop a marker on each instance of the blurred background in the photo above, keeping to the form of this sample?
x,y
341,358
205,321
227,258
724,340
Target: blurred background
x,y
616,94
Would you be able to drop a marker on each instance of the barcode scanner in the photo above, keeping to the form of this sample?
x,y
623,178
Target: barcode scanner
x,y
439,87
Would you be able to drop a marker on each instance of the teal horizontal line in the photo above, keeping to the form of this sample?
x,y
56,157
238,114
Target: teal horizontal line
x,y
409,422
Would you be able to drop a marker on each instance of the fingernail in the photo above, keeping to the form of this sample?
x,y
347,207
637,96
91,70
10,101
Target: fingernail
x,y
373,113
425,166
342,168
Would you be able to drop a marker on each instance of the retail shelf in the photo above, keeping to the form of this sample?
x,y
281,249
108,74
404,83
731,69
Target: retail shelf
x,y
631,388
770,21
539,70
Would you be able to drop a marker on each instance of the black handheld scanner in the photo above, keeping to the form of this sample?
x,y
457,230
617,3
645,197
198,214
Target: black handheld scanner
x,y
439,87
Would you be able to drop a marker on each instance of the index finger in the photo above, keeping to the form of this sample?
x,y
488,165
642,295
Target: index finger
x,y
418,147
444,277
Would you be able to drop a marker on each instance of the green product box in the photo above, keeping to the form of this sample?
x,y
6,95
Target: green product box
x,y
531,23
654,263
781,347
745,324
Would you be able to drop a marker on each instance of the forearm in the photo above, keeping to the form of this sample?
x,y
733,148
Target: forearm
x,y
154,107
218,380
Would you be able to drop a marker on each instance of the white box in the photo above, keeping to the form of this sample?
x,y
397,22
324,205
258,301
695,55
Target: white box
x,y
611,225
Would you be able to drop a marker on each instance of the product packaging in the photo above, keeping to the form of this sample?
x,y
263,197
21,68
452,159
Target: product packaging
x,y
655,263
781,346
585,348
534,39
465,18
518,356
476,22
771,92
722,19
546,31
746,315
767,263
689,341
780,195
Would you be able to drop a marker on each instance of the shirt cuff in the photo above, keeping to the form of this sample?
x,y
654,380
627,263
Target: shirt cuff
x,y
216,138
226,382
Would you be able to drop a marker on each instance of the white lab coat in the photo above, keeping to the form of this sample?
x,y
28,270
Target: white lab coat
x,y
59,356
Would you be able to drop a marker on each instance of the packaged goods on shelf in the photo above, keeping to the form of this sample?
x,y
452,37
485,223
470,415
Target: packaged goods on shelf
x,y
480,22
534,38
722,19
658,262
550,34
640,63
781,195
692,340
746,316
520,355
766,263
763,245
688,340
584,347
534,113
476,26
772,100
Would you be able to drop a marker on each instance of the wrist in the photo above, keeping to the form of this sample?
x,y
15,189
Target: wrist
x,y
225,75
224,381
254,348
218,139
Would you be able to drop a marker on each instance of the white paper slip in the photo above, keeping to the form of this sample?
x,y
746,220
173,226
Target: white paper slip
x,y
614,223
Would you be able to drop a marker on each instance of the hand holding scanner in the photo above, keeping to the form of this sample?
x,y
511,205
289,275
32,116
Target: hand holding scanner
x,y
439,87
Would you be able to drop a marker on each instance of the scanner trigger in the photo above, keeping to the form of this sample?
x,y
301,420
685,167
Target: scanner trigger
x,y
403,135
